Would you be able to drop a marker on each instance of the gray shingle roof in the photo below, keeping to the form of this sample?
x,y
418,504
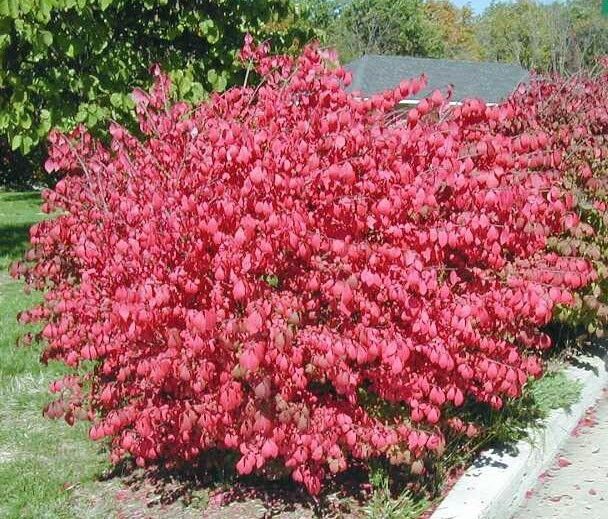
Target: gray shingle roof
x,y
490,81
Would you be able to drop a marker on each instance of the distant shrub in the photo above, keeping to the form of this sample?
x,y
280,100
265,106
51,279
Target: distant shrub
x,y
280,269
573,113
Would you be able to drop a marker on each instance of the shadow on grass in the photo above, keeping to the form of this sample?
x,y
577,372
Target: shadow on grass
x,y
14,239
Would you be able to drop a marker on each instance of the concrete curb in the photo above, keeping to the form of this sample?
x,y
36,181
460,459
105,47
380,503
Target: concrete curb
x,y
497,482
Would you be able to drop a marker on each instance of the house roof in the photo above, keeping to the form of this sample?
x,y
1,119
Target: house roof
x,y
490,81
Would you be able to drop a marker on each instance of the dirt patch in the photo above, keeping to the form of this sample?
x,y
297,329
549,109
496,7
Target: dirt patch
x,y
151,495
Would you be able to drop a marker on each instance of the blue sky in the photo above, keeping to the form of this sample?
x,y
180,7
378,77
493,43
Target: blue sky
x,y
479,5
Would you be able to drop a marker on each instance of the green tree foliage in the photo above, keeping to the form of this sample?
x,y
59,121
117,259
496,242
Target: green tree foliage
x,y
514,32
319,14
64,62
457,28
556,37
560,36
358,27
589,32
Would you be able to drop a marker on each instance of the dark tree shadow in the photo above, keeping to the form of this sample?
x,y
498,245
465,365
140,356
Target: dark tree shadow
x,y
14,239
213,475
491,457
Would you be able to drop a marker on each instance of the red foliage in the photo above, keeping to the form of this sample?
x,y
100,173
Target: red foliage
x,y
256,270
572,114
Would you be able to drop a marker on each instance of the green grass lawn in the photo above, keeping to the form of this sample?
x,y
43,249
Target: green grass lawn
x,y
41,460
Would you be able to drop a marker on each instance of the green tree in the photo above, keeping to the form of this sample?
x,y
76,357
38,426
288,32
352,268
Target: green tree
x,y
557,37
319,15
589,32
515,32
456,26
64,62
383,27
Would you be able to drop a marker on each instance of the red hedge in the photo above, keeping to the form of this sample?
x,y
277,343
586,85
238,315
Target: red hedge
x,y
574,113
255,270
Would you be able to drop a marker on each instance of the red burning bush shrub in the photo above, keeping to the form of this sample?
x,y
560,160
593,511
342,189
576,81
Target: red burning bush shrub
x,y
573,112
254,271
